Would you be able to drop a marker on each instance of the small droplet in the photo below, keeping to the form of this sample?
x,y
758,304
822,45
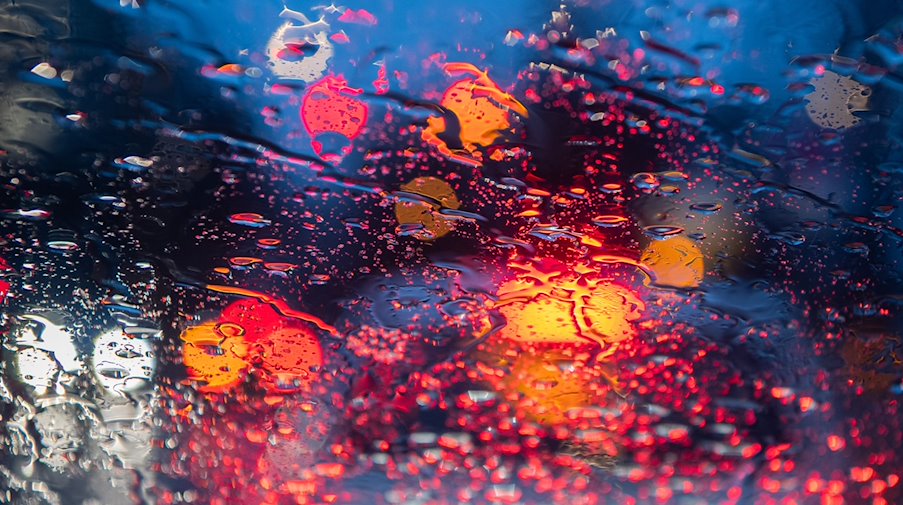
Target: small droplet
x,y
268,243
279,267
674,176
249,219
706,208
662,231
62,245
856,248
791,237
609,221
645,181
244,261
138,160
44,70
25,215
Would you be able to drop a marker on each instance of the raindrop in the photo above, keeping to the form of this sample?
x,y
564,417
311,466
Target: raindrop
x,y
44,70
662,231
249,219
609,221
25,215
791,238
645,181
268,243
706,208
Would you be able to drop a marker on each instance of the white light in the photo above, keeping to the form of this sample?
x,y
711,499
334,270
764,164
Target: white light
x,y
123,363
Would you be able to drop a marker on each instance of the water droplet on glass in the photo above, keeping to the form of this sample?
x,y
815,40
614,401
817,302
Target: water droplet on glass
x,y
706,208
662,231
249,219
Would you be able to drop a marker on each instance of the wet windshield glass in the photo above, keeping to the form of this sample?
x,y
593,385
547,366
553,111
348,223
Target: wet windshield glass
x,y
510,252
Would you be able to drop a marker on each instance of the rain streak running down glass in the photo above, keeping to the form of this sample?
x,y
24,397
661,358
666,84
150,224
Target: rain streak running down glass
x,y
509,252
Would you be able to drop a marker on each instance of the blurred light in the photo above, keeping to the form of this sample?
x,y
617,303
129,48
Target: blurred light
x,y
423,217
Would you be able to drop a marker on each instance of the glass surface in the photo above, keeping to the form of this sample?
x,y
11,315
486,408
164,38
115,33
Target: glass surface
x,y
504,252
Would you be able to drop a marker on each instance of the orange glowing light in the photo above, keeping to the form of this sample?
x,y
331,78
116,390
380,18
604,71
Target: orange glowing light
x,y
251,333
557,316
481,108
552,384
425,216
674,262
546,303
215,354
